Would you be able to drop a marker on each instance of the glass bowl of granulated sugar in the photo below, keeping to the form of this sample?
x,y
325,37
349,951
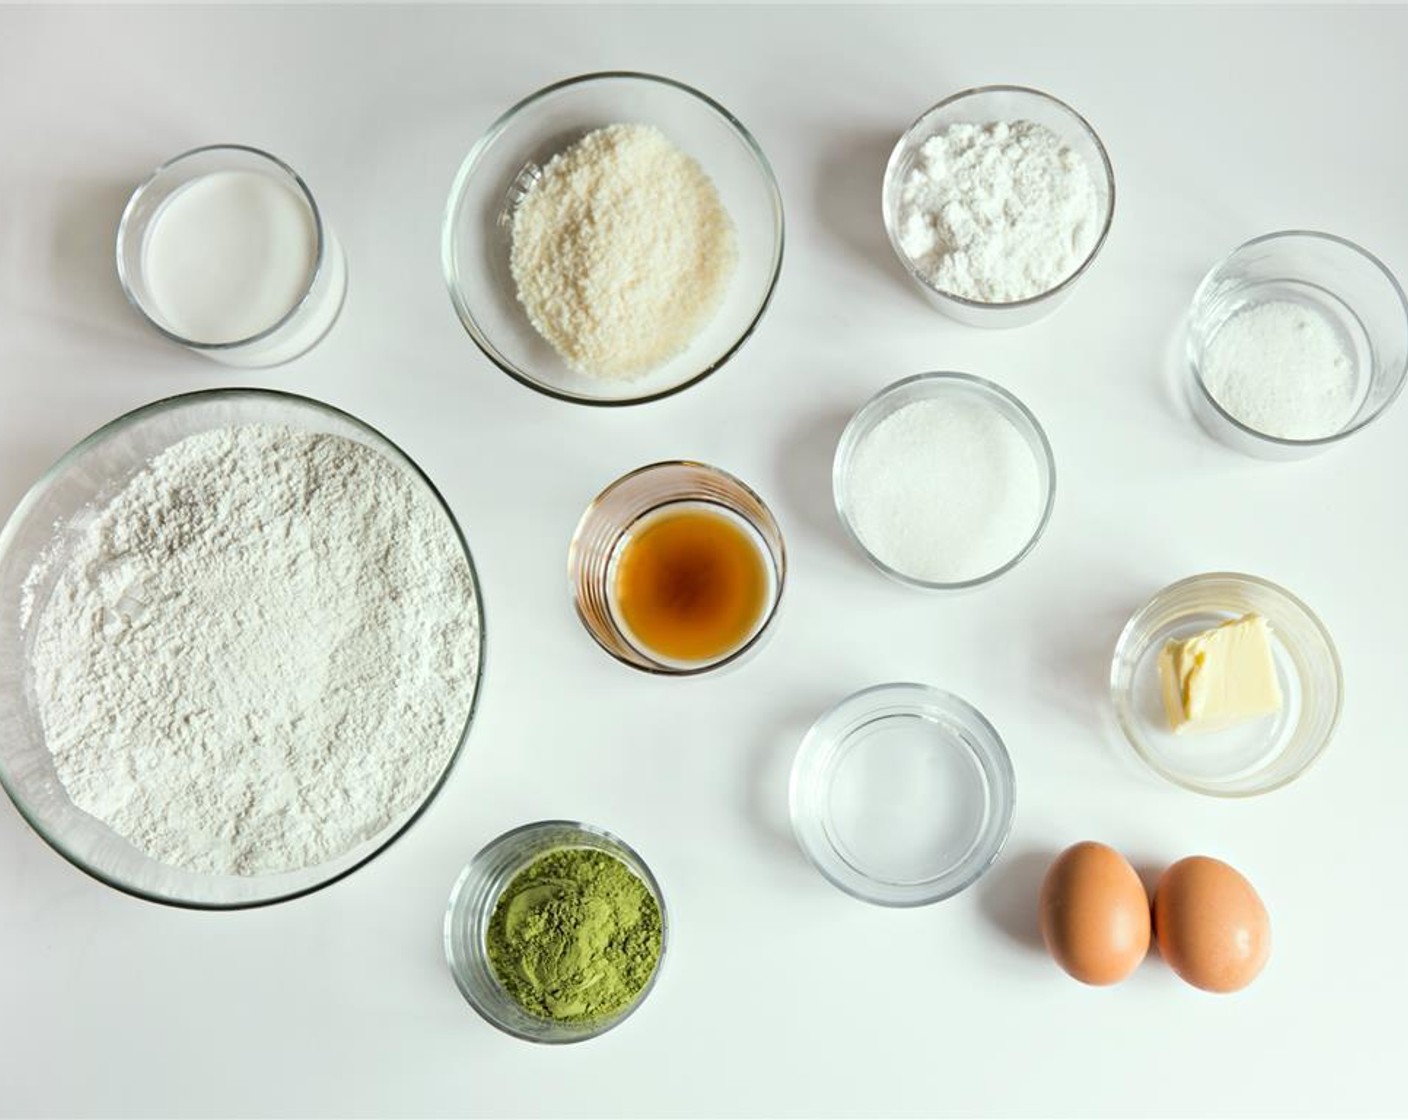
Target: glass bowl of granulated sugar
x,y
613,239
997,201
240,645
1296,341
945,480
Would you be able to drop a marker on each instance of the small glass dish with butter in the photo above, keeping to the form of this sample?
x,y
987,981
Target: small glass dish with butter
x,y
1196,656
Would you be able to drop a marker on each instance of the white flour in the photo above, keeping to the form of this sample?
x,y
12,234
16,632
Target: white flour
x,y
945,490
998,212
1280,368
261,652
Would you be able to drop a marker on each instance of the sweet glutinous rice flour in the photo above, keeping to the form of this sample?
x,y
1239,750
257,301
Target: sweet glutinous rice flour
x,y
259,653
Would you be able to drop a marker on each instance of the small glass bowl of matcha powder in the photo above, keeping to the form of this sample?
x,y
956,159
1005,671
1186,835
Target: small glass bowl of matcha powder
x,y
555,931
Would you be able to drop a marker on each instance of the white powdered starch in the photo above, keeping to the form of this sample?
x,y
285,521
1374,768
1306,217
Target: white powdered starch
x,y
998,212
945,490
1281,368
261,652
621,251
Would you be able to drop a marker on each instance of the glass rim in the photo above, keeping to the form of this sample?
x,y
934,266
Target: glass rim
x,y
892,168
656,668
314,274
468,166
862,419
1316,235
1123,712
173,403
515,834
911,696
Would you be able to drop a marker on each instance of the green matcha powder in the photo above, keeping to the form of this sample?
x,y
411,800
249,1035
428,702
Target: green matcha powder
x,y
575,936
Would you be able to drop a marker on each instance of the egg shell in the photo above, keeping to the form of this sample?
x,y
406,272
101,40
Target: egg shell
x,y
1211,925
1094,914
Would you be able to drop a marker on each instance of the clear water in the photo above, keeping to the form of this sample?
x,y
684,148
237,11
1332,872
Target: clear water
x,y
908,800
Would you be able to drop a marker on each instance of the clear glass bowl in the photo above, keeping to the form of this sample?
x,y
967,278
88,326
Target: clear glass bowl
x,y
1253,757
306,322
606,526
51,515
902,795
471,906
476,242
1346,285
932,386
984,105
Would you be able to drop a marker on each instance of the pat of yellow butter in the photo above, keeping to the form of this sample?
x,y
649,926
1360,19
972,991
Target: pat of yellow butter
x,y
1219,677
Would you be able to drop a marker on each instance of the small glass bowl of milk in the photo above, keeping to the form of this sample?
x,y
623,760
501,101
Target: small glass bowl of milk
x,y
224,250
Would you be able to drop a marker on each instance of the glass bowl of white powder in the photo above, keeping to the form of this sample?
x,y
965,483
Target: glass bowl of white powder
x,y
997,200
946,481
240,643
1296,341
612,239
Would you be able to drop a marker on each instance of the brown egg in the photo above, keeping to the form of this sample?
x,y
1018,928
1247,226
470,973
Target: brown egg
x,y
1094,914
1211,925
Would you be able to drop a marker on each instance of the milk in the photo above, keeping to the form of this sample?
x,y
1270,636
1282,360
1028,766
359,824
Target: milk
x,y
229,255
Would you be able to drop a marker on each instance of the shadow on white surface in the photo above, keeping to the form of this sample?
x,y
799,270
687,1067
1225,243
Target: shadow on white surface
x,y
1009,893
1149,869
768,775
1074,647
804,462
849,181
83,218
1176,374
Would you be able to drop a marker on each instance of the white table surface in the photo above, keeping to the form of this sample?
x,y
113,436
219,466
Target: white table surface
x,y
782,996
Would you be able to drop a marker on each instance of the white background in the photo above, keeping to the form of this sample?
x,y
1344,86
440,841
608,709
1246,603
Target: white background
x,y
782,996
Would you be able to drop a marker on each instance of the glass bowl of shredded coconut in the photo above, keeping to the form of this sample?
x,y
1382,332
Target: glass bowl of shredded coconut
x,y
997,200
945,480
1296,340
613,239
240,645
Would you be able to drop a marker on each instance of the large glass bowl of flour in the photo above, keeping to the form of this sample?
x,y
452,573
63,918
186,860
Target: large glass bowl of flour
x,y
290,696
509,160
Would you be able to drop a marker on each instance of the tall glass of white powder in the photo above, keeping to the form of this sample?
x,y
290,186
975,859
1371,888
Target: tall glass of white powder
x,y
997,200
1295,341
945,480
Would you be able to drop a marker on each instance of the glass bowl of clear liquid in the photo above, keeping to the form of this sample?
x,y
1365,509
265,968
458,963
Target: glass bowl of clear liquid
x,y
902,795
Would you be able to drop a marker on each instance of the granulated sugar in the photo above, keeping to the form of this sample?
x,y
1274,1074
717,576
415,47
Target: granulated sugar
x,y
1281,368
259,653
621,251
945,490
998,212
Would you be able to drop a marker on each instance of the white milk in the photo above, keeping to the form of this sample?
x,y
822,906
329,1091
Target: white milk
x,y
229,255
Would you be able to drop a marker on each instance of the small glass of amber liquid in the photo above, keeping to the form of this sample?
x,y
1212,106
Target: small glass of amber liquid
x,y
677,568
